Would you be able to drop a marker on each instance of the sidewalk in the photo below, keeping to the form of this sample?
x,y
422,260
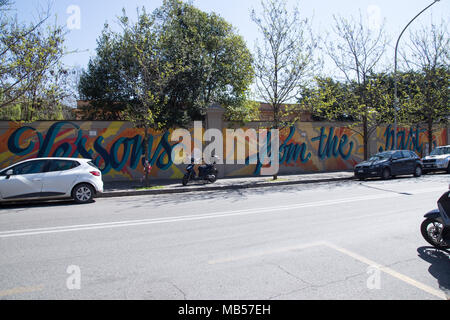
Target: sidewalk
x,y
135,188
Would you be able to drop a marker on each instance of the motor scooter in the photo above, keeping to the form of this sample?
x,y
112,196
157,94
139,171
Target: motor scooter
x,y
206,173
436,227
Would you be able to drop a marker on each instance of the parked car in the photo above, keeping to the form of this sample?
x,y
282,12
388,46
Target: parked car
x,y
51,178
390,164
438,160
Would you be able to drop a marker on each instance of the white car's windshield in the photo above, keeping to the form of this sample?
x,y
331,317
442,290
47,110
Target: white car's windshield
x,y
440,151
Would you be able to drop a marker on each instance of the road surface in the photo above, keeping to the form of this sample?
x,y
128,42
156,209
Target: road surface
x,y
348,240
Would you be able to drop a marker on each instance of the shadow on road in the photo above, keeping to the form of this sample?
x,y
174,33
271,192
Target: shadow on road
x,y
232,196
440,266
39,204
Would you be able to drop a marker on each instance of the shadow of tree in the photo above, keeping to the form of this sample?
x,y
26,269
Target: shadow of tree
x,y
231,195
40,204
440,266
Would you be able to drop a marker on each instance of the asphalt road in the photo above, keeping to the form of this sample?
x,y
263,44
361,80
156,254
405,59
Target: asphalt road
x,y
348,240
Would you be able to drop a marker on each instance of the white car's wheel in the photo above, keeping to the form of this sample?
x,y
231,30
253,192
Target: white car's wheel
x,y
83,193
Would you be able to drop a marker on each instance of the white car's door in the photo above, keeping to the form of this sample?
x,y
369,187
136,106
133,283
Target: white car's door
x,y
25,182
60,178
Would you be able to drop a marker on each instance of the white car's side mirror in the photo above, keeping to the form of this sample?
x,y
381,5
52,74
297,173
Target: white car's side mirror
x,y
9,173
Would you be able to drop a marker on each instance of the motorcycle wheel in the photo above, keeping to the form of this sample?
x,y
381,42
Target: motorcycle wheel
x,y
212,178
185,180
431,229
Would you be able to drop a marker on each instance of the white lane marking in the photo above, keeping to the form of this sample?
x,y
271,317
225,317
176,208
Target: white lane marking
x,y
122,224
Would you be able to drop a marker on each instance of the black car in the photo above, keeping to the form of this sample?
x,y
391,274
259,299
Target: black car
x,y
390,164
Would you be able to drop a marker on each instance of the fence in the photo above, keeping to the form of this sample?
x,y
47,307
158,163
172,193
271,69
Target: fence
x,y
117,147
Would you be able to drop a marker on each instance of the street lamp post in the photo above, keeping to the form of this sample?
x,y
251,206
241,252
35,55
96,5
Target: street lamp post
x,y
395,73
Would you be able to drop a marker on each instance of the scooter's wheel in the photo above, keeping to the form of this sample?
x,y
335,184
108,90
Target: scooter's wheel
x,y
212,178
431,229
185,180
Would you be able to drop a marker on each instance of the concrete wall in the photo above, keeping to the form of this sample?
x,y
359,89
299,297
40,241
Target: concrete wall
x,y
116,147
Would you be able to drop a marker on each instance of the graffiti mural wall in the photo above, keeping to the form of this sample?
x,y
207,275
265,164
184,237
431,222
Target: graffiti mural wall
x,y
311,147
117,147
414,139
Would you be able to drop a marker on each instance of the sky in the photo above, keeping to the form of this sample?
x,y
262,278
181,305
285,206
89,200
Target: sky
x,y
85,19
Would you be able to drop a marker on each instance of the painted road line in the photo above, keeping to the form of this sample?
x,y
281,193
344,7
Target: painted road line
x,y
225,214
118,224
266,252
20,290
389,271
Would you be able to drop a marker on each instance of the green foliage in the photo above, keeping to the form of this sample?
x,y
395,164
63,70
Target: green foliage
x,y
425,96
328,100
30,71
12,113
173,63
217,66
423,99
145,68
344,101
243,113
102,83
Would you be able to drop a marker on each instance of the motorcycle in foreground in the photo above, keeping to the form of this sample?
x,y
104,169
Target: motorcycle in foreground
x,y
436,228
206,173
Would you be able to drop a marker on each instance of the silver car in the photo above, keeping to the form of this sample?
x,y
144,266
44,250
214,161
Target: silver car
x,y
438,160
51,178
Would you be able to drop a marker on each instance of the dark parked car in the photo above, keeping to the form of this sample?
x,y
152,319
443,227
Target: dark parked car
x,y
390,164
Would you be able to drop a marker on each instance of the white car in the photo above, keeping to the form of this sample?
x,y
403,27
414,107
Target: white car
x,y
51,178
438,160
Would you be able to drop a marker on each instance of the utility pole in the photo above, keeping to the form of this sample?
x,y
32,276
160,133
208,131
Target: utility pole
x,y
396,107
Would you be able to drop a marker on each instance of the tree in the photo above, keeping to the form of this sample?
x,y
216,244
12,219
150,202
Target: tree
x,y
285,58
28,56
336,101
328,99
164,70
213,63
148,75
216,64
356,54
102,84
429,77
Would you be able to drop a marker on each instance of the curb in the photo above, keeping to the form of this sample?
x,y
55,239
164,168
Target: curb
x,y
129,193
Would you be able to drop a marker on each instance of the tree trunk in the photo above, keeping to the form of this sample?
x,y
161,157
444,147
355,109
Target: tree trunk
x,y
146,157
430,135
276,127
365,138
